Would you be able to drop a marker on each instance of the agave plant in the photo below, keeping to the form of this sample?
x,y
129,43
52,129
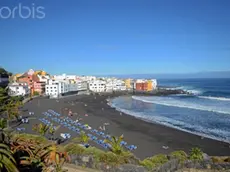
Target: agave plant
x,y
115,144
6,159
27,150
53,155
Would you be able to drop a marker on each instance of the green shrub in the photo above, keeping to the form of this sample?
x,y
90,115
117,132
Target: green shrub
x,y
181,155
196,154
72,148
147,163
36,93
159,159
155,161
128,158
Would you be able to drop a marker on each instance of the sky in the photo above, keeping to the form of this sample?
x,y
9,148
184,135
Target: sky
x,y
89,37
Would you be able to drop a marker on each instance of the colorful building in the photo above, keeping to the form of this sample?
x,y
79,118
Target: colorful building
x,y
33,81
144,85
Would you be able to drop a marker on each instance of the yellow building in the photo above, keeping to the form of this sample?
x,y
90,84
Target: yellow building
x,y
40,72
15,77
150,85
128,83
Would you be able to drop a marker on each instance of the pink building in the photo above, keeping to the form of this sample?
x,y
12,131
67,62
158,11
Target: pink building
x,y
39,87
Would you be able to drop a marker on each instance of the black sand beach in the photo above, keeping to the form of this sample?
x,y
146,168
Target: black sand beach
x,y
149,138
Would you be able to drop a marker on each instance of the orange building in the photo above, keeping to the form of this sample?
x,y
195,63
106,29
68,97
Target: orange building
x,y
150,85
141,86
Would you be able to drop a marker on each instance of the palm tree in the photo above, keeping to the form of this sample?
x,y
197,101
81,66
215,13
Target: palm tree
x,y
6,159
115,144
52,130
84,139
42,129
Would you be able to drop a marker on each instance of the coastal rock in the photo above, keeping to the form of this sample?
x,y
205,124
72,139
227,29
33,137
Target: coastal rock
x,y
206,157
130,168
122,168
172,165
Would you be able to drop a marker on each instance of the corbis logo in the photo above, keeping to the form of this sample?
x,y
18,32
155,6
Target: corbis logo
x,y
23,12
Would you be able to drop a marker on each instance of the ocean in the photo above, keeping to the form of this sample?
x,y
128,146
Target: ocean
x,y
205,113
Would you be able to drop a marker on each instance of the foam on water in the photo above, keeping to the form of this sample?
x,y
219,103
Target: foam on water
x,y
216,134
171,101
215,98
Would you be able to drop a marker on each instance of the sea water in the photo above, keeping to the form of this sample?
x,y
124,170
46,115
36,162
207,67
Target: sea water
x,y
205,113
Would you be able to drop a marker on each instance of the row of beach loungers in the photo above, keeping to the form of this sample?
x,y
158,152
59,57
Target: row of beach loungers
x,y
75,127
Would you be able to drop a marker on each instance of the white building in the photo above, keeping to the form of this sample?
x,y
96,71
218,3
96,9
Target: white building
x,y
18,89
64,77
55,89
115,85
154,82
97,86
82,85
87,78
43,78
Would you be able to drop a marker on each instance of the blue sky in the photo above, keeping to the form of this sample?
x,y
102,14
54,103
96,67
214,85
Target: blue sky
x,y
118,36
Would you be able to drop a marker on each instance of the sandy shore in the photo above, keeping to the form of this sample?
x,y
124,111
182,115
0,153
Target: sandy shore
x,y
149,138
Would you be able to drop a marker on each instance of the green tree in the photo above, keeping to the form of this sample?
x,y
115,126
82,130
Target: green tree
x,y
115,144
6,159
12,109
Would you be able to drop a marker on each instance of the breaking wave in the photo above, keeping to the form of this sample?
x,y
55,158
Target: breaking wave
x,y
216,134
197,105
